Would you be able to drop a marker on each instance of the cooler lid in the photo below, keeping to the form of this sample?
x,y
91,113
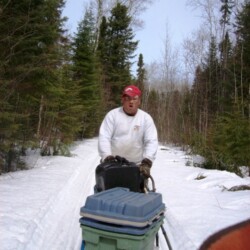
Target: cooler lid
x,y
120,206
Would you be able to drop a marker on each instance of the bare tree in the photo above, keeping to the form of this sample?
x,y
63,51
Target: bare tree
x,y
171,66
164,79
135,9
194,50
209,11
103,8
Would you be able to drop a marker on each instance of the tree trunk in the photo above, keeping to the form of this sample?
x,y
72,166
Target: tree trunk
x,y
40,117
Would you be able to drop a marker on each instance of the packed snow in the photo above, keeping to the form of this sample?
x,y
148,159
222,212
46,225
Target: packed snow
x,y
40,207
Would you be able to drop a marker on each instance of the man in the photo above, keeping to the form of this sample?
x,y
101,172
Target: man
x,y
129,132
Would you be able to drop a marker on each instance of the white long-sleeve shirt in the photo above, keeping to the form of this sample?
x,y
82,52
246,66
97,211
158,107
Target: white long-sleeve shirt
x,y
131,137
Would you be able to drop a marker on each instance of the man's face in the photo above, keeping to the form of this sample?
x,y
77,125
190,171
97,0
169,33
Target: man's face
x,y
131,104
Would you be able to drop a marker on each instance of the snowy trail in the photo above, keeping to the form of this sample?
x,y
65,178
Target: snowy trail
x,y
194,207
57,206
39,208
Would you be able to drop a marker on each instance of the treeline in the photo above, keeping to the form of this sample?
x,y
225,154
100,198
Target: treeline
x,y
55,89
212,116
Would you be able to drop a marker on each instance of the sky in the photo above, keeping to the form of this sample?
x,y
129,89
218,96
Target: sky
x,y
40,207
162,17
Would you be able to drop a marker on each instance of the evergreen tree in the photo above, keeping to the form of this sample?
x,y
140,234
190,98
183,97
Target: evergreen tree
x,y
86,74
103,49
199,113
226,76
225,48
205,91
21,55
140,73
242,58
52,94
226,10
31,34
220,94
103,58
116,45
66,107
229,145
210,84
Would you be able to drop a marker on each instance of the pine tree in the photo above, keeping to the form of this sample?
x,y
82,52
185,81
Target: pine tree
x,y
225,48
51,94
140,73
229,143
103,57
226,10
211,86
86,74
226,76
242,56
116,48
31,34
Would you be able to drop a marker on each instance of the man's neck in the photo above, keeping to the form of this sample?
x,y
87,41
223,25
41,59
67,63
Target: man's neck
x,y
128,113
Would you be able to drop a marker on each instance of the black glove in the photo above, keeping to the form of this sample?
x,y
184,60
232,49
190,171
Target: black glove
x,y
109,158
145,166
121,159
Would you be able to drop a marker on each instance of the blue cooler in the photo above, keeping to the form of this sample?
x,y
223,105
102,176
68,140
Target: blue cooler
x,y
118,215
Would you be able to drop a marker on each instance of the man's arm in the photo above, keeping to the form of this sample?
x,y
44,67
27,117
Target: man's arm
x,y
150,146
150,139
105,136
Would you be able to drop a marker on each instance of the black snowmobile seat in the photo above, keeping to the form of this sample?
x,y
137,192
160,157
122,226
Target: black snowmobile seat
x,y
119,173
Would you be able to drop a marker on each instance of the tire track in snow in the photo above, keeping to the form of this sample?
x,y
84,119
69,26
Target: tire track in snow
x,y
88,180
76,188
176,234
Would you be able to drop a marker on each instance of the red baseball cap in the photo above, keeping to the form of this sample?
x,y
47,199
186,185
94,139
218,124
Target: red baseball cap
x,y
132,91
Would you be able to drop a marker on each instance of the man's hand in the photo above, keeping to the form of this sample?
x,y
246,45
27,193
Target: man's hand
x,y
145,166
109,158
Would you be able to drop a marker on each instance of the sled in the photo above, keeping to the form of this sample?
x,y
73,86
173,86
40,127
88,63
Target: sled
x,y
119,212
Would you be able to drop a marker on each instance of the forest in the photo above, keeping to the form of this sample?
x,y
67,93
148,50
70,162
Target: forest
x,y
55,88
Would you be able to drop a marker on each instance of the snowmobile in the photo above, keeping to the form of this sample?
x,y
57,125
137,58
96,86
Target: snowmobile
x,y
125,209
